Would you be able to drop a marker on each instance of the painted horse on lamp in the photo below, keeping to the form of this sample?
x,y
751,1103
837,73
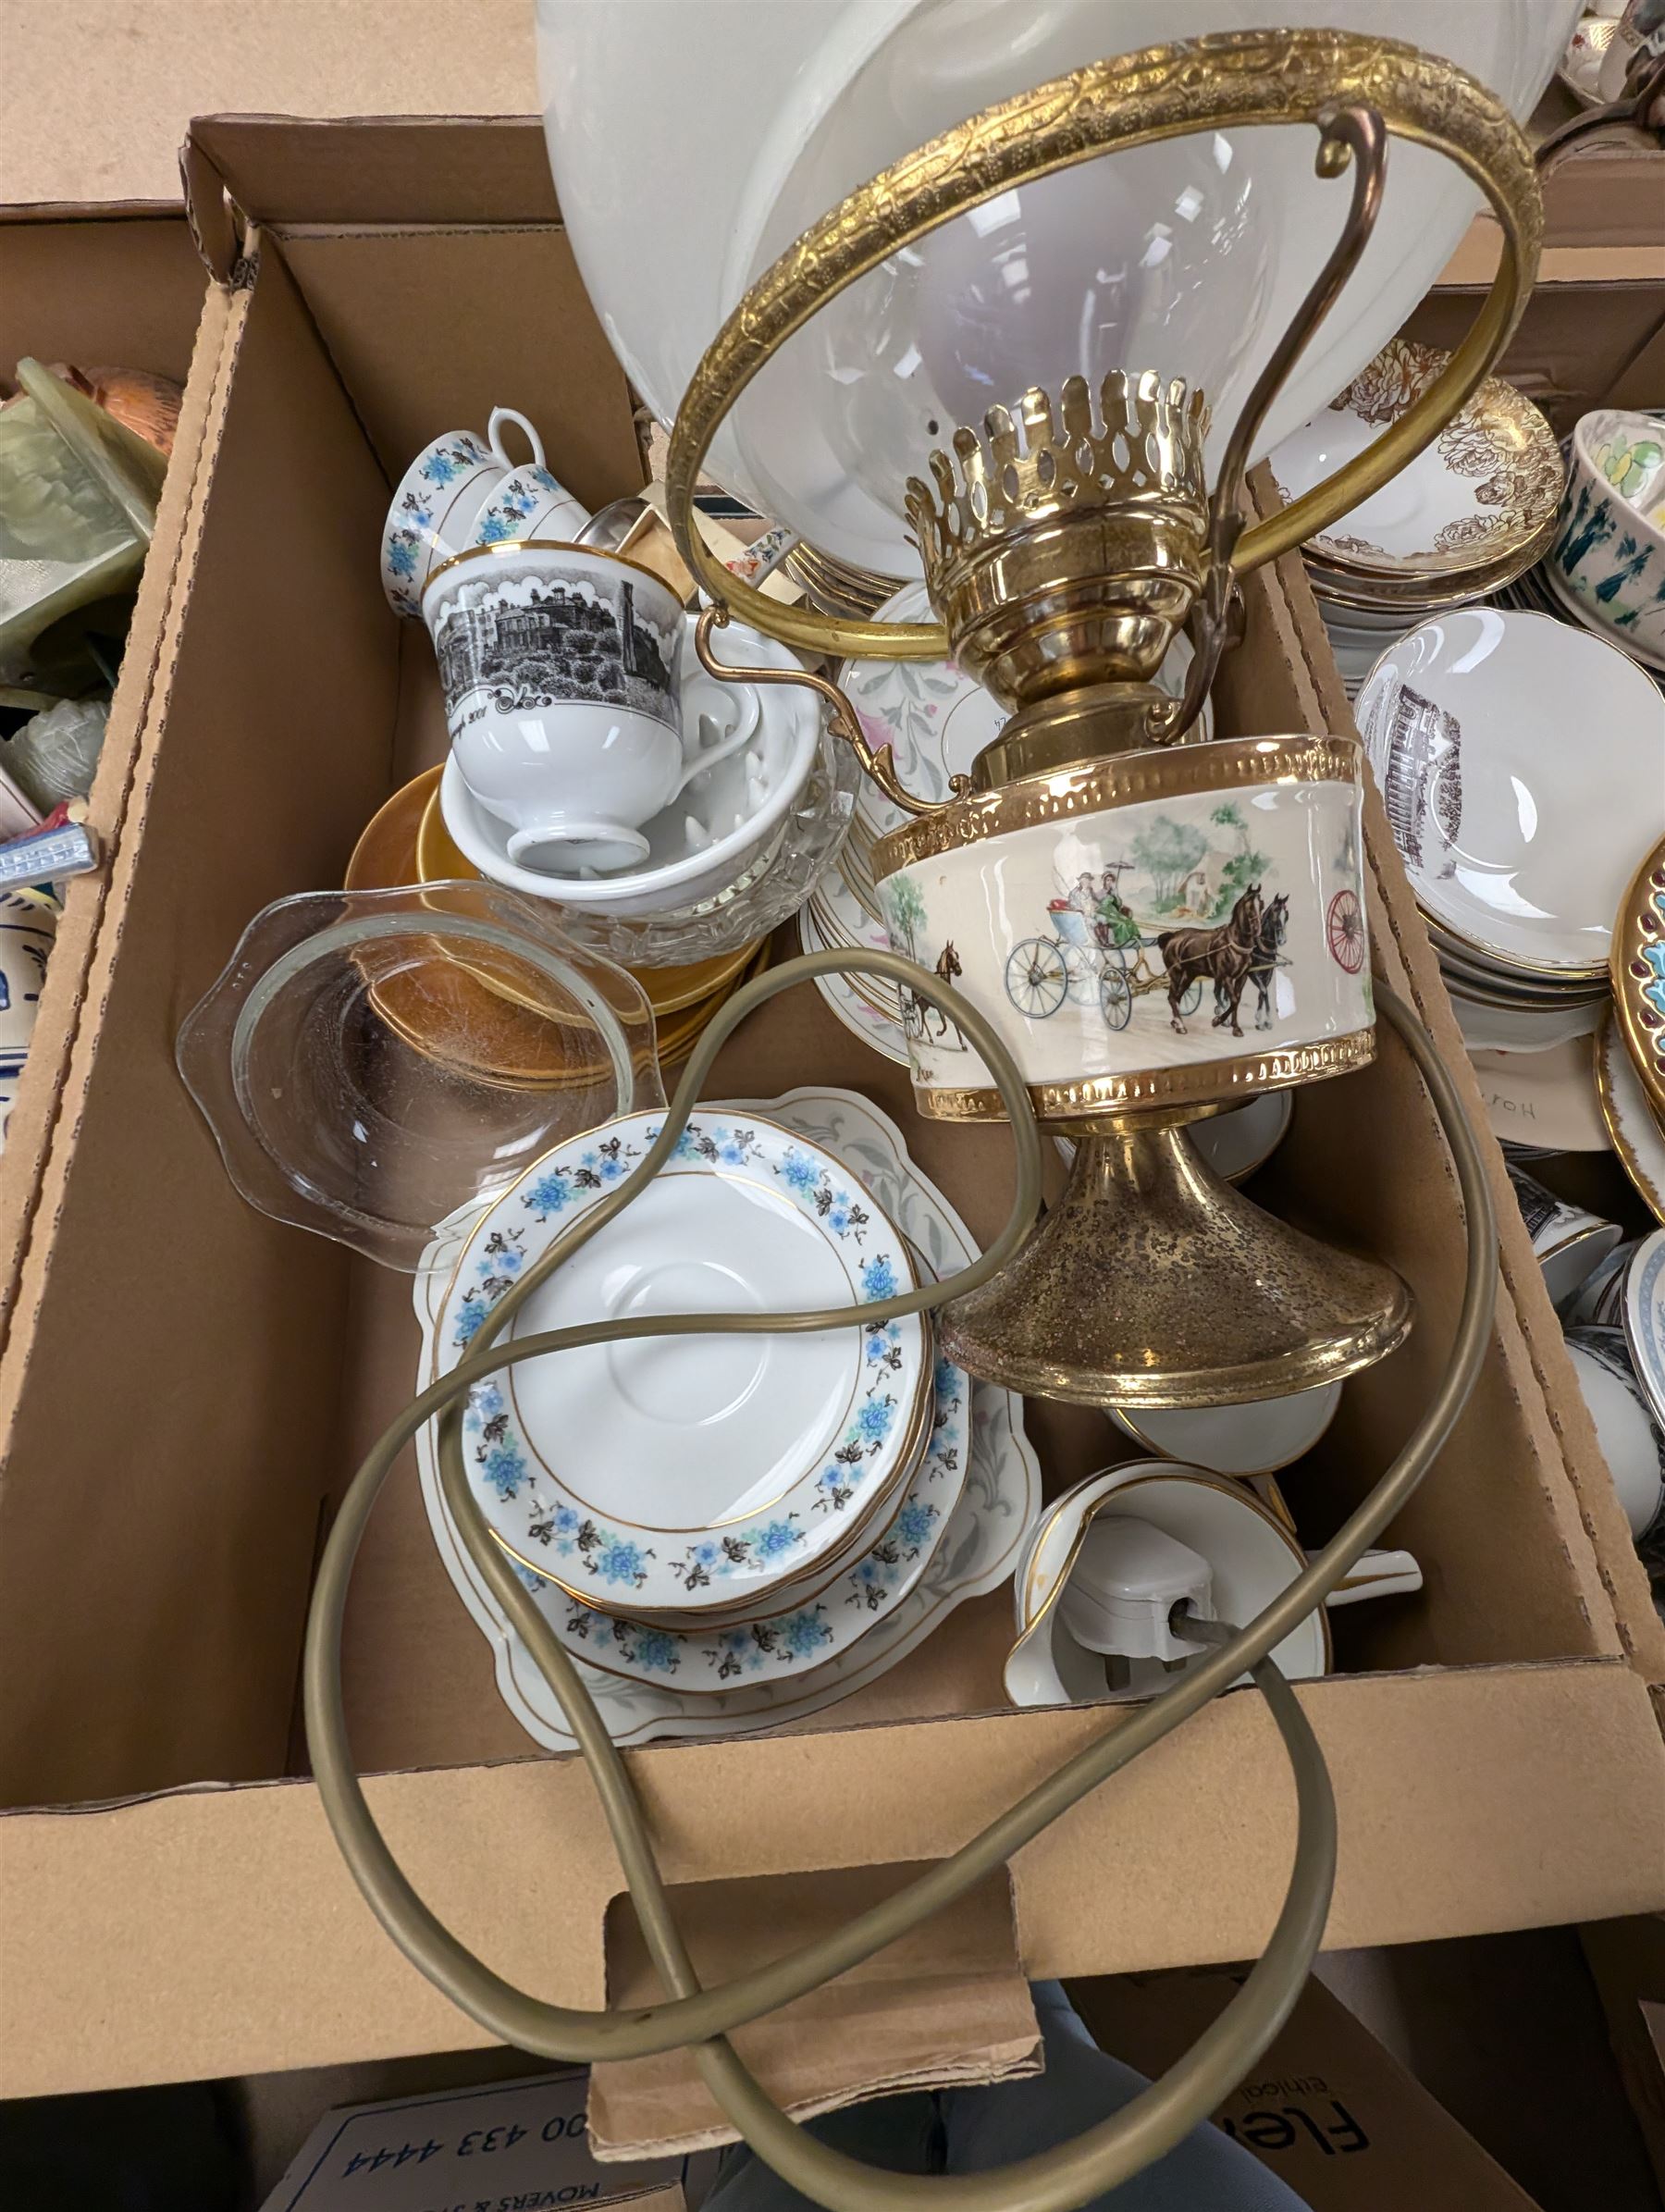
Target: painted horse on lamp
x,y
1267,957
1223,955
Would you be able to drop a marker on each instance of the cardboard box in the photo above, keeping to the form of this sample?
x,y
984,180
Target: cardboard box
x,y
188,1384
1627,1960
1327,2110
505,2145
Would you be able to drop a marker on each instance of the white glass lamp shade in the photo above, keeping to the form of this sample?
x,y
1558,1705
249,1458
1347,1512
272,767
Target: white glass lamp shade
x,y
693,139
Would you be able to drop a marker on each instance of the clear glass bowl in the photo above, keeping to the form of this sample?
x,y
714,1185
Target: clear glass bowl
x,y
371,1062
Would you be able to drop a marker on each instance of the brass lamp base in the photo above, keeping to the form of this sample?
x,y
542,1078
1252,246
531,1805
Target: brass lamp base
x,y
1153,1283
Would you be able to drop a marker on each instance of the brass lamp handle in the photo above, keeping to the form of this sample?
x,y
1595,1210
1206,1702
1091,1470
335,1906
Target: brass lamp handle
x,y
1227,80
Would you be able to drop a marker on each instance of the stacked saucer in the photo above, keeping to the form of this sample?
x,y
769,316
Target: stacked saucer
x,y
725,1628
1522,768
711,1508
1467,516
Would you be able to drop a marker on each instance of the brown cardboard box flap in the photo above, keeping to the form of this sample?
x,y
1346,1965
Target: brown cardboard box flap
x,y
1327,2110
284,171
218,1931
946,2006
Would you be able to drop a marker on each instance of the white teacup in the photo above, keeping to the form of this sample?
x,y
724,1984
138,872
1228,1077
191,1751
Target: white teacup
x,y
1112,1568
529,502
1600,1300
433,512
1631,1443
560,666
1569,1243
1256,1438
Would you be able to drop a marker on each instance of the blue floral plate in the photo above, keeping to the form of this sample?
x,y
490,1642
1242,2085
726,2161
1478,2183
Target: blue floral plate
x,y
979,1537
678,1476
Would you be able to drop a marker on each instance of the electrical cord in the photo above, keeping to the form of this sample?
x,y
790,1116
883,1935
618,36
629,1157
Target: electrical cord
x,y
703,2018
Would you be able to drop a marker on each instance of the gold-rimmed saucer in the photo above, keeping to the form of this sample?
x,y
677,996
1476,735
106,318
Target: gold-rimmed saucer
x,y
1637,968
1485,494
441,1007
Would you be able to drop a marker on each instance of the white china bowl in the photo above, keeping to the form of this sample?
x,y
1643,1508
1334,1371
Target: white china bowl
x,y
1250,1552
1487,1026
1236,1439
1523,764
1630,1440
779,758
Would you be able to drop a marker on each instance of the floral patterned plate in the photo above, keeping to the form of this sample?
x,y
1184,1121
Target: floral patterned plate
x,y
980,1539
809,1626
668,1474
937,720
865,1018
1490,485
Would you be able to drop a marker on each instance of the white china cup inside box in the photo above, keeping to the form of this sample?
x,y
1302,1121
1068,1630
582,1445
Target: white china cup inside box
x,y
705,839
561,672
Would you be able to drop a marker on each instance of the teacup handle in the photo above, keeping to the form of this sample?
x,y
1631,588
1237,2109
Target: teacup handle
x,y
494,437
741,736
1379,1574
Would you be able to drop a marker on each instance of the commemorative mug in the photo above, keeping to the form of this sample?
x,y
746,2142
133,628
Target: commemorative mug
x,y
560,669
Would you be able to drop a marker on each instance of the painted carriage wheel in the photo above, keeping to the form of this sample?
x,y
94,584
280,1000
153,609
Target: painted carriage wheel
x,y
1190,1000
1116,997
1037,979
1344,927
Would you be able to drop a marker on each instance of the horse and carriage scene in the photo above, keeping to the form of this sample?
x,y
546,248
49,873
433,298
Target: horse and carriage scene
x,y
1181,914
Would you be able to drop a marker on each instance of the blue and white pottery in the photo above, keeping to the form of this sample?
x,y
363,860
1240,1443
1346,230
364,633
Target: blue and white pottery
x,y
977,1539
439,500
529,502
1608,556
675,1476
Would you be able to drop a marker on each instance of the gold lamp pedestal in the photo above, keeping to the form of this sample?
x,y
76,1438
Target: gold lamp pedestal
x,y
1152,1283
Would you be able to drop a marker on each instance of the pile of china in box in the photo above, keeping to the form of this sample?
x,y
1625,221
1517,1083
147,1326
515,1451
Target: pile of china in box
x,y
724,1531
1518,735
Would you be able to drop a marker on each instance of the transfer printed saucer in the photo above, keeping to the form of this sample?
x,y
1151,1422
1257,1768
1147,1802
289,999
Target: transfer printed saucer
x,y
980,1537
669,1473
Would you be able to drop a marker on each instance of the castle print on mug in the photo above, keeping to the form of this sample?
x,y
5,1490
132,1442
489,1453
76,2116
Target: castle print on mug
x,y
560,667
